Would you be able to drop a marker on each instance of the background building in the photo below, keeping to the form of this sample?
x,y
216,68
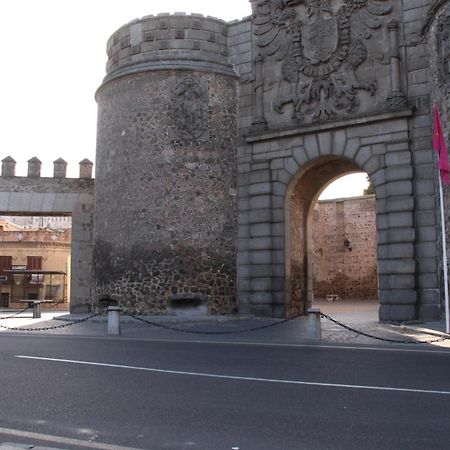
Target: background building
x,y
34,264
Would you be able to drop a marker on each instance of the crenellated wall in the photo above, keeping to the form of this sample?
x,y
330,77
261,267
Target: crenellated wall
x,y
34,195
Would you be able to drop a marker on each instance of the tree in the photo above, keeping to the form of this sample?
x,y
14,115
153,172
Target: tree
x,y
370,189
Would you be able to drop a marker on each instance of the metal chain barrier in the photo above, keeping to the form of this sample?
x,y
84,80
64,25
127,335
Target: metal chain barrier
x,y
15,315
395,341
54,327
182,330
362,333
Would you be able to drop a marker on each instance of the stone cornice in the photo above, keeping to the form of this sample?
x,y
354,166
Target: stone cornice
x,y
326,126
49,245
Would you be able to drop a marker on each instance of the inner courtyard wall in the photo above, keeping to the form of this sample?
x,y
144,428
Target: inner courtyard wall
x,y
345,248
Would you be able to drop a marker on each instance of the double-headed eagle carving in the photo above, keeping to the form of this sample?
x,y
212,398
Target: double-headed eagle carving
x,y
320,51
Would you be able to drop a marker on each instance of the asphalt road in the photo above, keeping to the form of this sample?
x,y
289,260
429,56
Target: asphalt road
x,y
113,392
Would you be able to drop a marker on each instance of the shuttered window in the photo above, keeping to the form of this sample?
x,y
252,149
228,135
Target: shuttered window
x,y
34,262
5,264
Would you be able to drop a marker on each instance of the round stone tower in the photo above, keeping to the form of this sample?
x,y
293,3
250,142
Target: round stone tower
x,y
165,211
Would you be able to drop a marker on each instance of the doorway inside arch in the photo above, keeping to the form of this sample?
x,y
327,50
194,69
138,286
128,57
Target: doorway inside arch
x,y
331,241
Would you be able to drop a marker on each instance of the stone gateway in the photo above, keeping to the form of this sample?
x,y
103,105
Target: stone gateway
x,y
216,139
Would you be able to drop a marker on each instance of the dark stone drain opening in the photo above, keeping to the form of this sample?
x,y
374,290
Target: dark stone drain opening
x,y
187,305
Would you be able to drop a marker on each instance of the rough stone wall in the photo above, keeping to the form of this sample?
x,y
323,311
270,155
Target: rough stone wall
x,y
347,270
165,219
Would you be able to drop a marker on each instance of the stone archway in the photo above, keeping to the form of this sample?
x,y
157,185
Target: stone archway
x,y
301,196
273,163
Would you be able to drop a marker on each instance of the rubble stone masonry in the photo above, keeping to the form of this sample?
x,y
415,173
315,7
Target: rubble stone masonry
x,y
345,248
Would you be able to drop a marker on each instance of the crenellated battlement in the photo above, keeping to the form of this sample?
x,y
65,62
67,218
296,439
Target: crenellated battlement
x,y
169,41
34,168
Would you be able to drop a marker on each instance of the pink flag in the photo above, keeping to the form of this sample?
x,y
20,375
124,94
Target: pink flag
x,y
440,147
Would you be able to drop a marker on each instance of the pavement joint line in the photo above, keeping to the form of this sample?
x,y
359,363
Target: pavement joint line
x,y
62,440
238,378
425,349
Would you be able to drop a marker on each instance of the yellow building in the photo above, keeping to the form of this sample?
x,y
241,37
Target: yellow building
x,y
34,265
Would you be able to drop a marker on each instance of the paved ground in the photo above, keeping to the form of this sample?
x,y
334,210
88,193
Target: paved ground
x,y
156,388
105,393
359,315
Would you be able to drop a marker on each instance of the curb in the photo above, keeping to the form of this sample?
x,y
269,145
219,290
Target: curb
x,y
424,331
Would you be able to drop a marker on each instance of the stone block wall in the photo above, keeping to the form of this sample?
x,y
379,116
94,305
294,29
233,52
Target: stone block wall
x,y
345,248
58,196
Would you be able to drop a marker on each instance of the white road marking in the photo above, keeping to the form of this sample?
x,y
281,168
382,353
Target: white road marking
x,y
61,440
337,346
231,377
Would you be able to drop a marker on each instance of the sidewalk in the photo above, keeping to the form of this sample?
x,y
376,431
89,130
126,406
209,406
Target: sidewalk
x,y
362,316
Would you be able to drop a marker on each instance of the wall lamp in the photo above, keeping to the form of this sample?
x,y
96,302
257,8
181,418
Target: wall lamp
x,y
348,245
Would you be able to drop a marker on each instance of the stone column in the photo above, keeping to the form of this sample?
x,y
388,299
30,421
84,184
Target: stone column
x,y
396,99
259,123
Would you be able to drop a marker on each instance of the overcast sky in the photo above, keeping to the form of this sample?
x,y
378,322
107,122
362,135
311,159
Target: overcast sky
x,y
53,59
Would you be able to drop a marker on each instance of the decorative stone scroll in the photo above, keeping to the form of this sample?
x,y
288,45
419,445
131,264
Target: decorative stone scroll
x,y
320,48
189,108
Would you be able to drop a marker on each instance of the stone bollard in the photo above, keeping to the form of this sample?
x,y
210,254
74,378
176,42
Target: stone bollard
x,y
114,320
313,327
36,310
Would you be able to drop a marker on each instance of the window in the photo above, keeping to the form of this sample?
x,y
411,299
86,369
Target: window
x,y
5,264
34,262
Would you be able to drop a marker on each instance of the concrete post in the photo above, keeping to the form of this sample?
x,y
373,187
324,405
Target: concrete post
x,y
36,310
313,326
114,320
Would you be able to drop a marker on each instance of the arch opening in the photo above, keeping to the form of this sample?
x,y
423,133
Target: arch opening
x,y
330,245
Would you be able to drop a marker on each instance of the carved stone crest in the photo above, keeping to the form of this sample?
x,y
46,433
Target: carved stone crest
x,y
189,108
320,46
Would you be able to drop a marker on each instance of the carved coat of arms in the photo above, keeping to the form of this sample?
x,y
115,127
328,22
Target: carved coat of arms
x,y
189,107
320,46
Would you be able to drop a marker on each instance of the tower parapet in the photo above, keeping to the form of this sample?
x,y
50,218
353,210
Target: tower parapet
x,y
167,42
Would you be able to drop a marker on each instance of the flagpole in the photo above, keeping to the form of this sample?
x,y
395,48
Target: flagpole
x,y
444,256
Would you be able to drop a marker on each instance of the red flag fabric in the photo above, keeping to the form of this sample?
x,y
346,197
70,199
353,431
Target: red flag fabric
x,y
440,146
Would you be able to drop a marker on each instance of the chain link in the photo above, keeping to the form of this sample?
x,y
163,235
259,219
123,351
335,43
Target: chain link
x,y
325,316
55,327
395,341
182,330
15,314
245,330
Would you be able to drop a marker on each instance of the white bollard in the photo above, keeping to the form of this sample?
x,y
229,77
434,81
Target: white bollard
x,y
36,309
114,320
314,328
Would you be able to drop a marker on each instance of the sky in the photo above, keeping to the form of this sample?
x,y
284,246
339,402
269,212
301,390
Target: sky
x,y
53,60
